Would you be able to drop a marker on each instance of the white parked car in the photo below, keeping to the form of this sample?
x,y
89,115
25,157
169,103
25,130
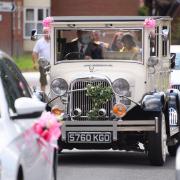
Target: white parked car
x,y
178,164
21,156
175,74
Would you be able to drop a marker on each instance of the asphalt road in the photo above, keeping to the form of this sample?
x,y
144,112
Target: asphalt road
x,y
111,165
33,80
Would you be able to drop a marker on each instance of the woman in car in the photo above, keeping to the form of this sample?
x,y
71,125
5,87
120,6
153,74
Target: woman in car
x,y
129,44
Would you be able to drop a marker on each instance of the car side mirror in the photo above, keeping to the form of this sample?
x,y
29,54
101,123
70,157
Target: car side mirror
x,y
26,105
173,60
34,35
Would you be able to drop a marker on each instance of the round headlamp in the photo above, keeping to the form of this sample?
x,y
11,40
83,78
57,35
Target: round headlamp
x,y
121,86
59,86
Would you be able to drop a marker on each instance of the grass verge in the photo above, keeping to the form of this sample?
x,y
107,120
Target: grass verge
x,y
24,62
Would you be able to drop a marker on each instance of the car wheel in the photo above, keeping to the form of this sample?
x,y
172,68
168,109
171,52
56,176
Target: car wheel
x,y
157,143
172,150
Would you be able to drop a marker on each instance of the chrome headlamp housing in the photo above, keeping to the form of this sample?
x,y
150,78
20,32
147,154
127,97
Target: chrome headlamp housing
x,y
59,86
121,87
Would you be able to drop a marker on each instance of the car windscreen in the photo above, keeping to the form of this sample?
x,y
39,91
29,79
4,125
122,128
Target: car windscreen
x,y
177,61
107,44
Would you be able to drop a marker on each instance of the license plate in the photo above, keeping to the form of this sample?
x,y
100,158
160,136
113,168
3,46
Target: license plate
x,y
89,137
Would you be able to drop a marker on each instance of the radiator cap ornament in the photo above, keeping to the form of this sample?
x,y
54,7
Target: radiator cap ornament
x,y
91,68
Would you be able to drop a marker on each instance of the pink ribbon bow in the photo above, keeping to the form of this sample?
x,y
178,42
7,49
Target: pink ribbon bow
x,y
149,23
47,127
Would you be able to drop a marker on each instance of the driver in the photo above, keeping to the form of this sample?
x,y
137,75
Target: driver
x,y
83,47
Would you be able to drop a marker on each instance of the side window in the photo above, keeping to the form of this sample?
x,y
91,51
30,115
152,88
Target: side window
x,y
10,91
164,43
14,84
60,41
154,42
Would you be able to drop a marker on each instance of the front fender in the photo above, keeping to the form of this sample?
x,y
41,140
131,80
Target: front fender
x,y
10,163
153,102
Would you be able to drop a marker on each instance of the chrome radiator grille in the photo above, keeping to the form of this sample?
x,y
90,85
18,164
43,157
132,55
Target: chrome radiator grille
x,y
83,102
176,87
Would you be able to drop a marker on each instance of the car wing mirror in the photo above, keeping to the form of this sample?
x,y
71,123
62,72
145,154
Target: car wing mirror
x,y
26,105
34,35
173,60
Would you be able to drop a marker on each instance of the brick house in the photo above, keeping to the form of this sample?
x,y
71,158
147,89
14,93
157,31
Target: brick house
x,y
120,8
94,7
11,26
34,12
16,26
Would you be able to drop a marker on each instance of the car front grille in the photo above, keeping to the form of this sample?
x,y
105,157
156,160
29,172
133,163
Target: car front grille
x,y
79,99
176,87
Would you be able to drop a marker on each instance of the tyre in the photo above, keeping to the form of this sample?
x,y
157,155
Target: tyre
x,y
172,149
60,147
157,143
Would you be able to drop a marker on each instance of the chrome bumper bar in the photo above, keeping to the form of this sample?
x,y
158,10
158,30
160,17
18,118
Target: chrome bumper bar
x,y
110,126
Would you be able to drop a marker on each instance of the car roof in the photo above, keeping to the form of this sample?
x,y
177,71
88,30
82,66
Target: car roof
x,y
106,18
175,49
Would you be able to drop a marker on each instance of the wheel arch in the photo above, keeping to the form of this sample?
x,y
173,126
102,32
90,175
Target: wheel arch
x,y
154,101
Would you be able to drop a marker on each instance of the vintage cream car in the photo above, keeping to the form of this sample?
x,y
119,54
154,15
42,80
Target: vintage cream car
x,y
112,95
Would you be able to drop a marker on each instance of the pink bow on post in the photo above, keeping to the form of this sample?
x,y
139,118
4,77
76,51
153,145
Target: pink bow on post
x,y
149,23
47,127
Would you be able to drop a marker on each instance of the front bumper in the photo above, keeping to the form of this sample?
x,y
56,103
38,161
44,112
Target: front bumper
x,y
109,126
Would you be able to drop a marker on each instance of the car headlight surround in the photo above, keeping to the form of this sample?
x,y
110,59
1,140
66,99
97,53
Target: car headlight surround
x,y
121,87
59,86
